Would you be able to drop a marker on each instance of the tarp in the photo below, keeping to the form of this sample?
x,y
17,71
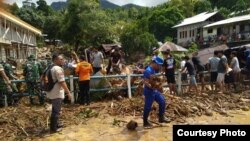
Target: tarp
x,y
206,53
172,47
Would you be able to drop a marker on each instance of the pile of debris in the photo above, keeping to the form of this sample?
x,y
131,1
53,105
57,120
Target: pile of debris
x,y
26,121
178,108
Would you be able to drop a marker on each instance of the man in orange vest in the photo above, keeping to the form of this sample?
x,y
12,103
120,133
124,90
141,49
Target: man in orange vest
x,y
84,70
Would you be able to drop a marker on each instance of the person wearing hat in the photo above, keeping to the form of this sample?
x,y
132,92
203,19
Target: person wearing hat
x,y
152,94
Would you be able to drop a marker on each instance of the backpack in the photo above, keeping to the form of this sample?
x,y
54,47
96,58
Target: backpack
x,y
47,80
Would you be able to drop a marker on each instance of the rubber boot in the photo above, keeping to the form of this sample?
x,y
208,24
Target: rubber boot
x,y
54,125
146,124
162,119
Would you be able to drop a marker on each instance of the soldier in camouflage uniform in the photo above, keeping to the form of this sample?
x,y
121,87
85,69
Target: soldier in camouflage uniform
x,y
8,68
9,72
5,87
32,71
45,62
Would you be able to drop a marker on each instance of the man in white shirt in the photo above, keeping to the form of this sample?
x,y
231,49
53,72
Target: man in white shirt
x,y
98,60
235,67
56,95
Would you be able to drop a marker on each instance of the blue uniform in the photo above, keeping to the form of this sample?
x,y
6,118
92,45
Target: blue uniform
x,y
152,95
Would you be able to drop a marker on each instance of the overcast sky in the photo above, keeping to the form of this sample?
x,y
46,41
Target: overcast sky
x,y
118,2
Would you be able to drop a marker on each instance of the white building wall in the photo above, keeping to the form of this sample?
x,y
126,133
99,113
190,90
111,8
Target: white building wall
x,y
10,34
193,28
206,34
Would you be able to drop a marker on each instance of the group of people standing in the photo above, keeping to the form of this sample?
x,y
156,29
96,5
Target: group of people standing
x,y
218,67
225,70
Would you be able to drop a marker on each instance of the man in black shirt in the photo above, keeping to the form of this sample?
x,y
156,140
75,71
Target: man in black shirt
x,y
199,67
191,71
115,59
169,68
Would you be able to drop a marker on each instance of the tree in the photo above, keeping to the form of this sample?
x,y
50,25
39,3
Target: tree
x,y
85,24
202,6
193,48
52,27
14,8
44,8
134,39
241,8
30,16
162,21
186,7
224,12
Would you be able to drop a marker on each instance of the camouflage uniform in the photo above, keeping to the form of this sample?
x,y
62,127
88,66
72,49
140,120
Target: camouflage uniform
x,y
32,71
5,90
2,82
10,74
45,62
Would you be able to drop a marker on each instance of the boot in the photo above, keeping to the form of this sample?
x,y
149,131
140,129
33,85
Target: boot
x,y
146,124
162,119
60,125
54,125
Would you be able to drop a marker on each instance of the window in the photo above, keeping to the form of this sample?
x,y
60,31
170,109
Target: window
x,y
190,33
210,31
185,34
180,34
193,33
242,28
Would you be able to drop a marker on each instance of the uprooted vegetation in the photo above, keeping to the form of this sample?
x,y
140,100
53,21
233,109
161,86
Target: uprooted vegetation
x,y
26,121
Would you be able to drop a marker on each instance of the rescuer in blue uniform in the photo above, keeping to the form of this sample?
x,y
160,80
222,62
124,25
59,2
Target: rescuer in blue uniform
x,y
152,94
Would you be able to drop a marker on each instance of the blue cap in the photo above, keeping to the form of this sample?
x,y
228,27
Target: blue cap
x,y
158,60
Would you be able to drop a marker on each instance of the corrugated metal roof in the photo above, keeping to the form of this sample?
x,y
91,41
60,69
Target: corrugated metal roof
x,y
19,22
196,19
230,20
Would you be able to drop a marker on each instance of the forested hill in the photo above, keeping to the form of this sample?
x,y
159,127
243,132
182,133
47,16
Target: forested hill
x,y
58,5
104,4
108,5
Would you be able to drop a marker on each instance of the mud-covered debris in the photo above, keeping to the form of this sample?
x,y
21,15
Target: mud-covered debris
x,y
208,112
132,125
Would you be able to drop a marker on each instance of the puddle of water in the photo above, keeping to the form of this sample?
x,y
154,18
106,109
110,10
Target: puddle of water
x,y
101,129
